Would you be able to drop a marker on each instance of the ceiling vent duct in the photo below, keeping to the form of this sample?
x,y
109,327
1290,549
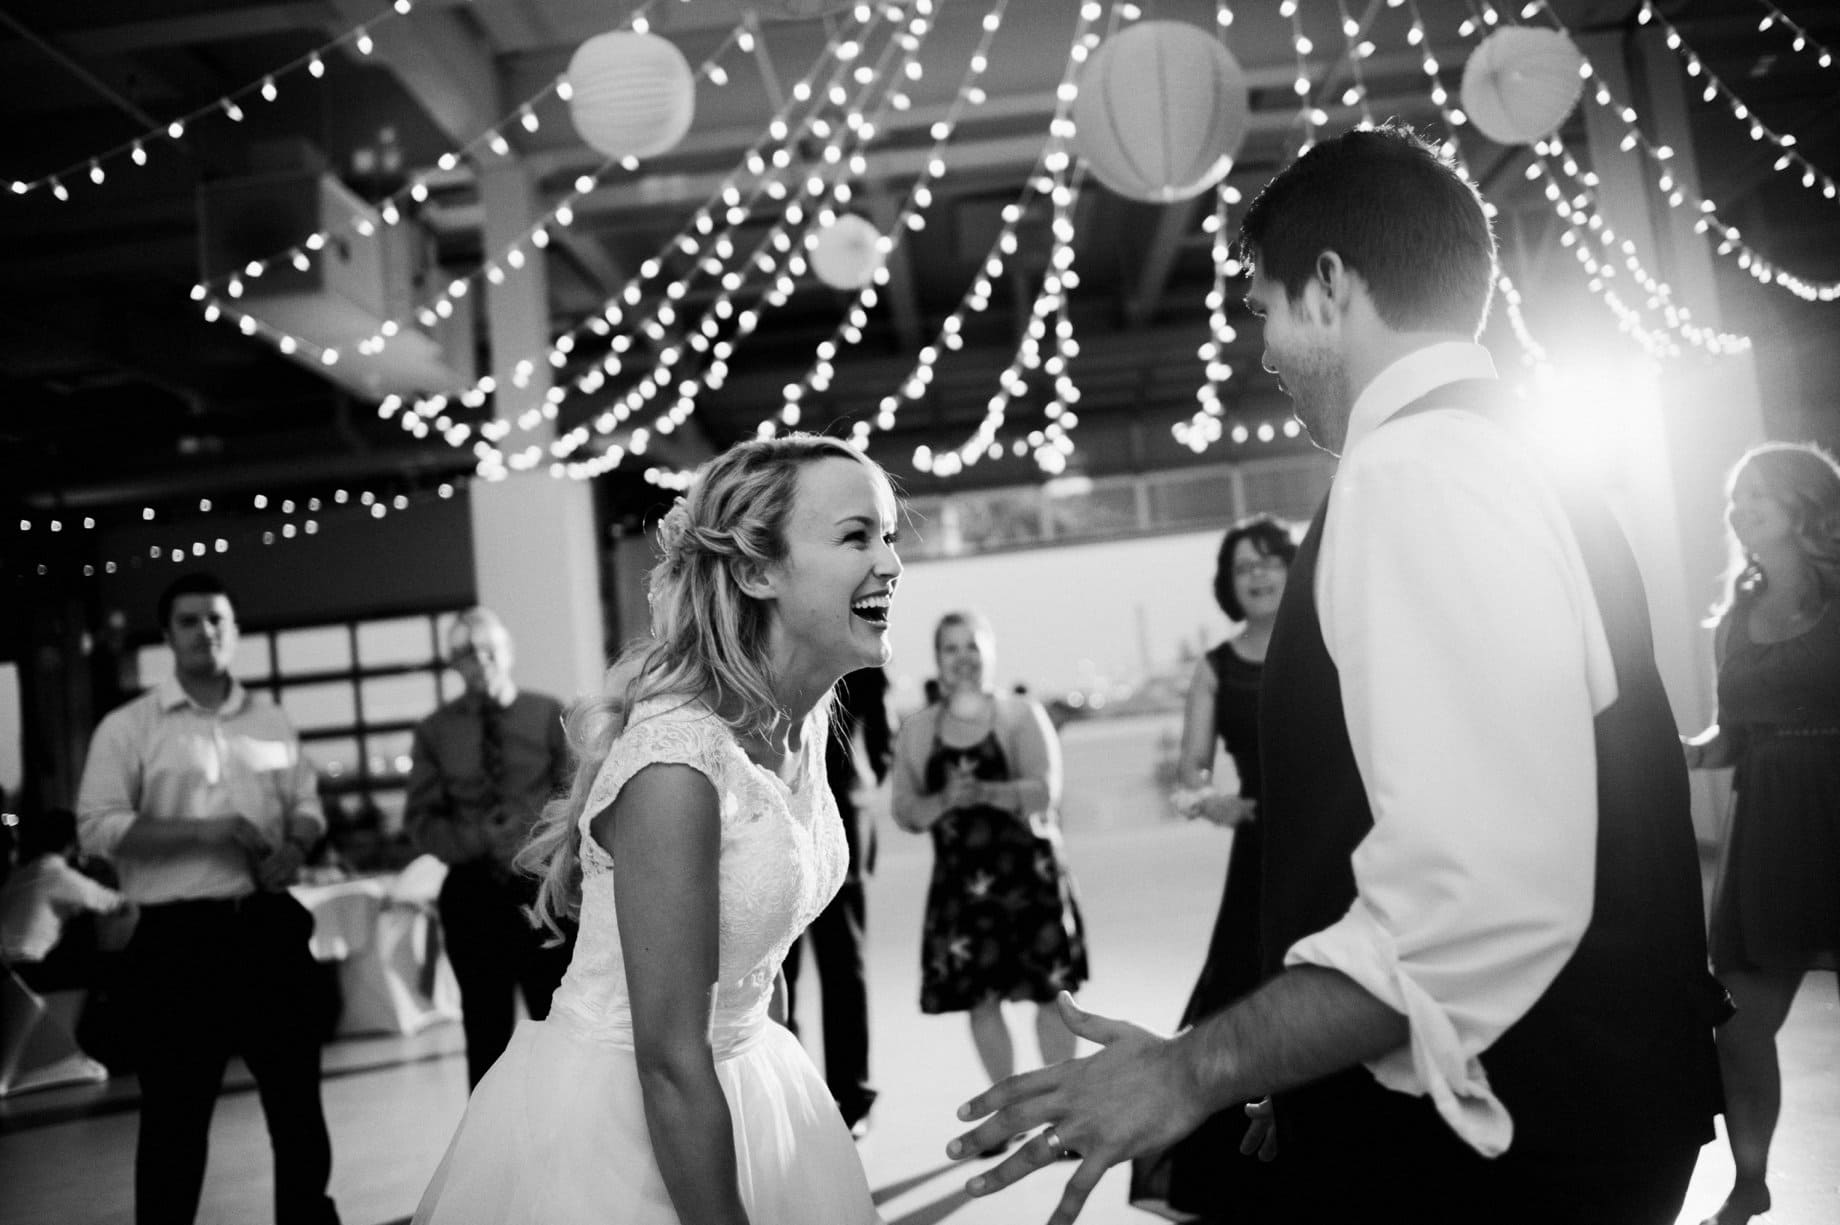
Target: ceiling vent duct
x,y
351,287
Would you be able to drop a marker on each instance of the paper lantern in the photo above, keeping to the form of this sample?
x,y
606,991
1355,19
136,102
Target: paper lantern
x,y
631,94
1521,83
847,252
1161,111
801,10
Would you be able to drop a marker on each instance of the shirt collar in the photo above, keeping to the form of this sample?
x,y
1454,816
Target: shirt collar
x,y
1417,374
172,695
483,702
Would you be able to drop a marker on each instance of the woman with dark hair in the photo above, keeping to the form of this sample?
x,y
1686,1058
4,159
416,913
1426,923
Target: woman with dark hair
x,y
699,839
1199,1179
1776,911
981,771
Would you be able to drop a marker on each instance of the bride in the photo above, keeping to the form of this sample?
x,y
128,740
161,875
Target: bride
x,y
699,840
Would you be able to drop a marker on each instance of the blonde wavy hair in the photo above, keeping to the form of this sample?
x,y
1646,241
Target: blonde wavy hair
x,y
1806,480
709,637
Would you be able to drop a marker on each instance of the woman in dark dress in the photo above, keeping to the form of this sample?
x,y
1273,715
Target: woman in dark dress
x,y
1776,911
1204,1178
981,771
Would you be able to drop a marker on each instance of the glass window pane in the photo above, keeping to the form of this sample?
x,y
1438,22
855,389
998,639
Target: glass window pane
x,y
315,706
402,640
154,664
389,699
1290,492
1103,511
389,754
321,649
1201,499
252,659
336,758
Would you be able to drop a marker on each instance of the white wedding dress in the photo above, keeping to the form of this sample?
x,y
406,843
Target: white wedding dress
x,y
555,1133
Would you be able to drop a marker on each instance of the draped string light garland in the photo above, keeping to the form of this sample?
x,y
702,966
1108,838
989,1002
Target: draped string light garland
x,y
1584,224
1730,241
1799,38
786,261
1307,115
1789,159
977,297
725,201
284,519
392,210
909,218
1356,47
1051,445
95,166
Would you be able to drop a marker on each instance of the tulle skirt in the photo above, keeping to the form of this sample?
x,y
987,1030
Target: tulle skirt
x,y
555,1135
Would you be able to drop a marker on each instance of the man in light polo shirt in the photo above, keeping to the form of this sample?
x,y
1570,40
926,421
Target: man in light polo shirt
x,y
198,793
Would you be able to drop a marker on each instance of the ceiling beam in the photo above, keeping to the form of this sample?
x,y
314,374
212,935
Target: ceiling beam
x,y
1173,223
442,63
899,293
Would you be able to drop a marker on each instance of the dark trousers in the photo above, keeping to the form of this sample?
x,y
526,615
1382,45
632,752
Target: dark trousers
x,y
836,937
495,953
1372,1155
206,980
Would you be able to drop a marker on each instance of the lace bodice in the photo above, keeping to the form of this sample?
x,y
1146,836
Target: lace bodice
x,y
783,858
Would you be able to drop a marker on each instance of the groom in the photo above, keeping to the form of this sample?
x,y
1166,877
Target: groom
x,y
1487,995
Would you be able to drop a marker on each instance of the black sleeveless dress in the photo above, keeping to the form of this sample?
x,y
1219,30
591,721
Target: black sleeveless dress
x,y
1001,916
1777,906
1204,1177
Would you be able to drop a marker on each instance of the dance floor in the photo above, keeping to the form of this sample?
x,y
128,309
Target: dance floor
x,y
1149,891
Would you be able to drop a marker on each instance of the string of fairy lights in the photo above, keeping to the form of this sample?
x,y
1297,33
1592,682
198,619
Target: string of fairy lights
x,y
808,195
1052,162
911,217
1789,158
95,167
796,234
782,134
792,236
1587,228
369,224
1308,116
283,518
1799,38
1729,239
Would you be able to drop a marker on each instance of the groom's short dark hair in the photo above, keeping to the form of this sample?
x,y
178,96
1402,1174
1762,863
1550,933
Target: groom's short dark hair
x,y
1397,213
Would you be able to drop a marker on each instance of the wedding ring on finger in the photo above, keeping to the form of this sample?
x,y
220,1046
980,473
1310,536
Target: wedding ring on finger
x,y
1057,1151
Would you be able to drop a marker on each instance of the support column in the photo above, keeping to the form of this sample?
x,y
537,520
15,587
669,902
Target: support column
x,y
536,554
1707,411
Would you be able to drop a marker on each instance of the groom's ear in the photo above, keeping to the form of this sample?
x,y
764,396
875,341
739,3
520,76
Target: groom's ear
x,y
1334,280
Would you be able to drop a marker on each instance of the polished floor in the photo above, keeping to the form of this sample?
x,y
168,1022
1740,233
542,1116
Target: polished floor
x,y
1148,892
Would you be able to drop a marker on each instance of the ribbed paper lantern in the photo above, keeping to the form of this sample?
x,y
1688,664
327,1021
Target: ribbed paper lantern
x,y
1521,83
1161,112
800,10
631,94
845,254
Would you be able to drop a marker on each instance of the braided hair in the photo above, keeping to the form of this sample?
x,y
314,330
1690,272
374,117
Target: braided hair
x,y
709,638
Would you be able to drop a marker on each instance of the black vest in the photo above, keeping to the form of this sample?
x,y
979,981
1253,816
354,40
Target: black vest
x,y
1617,1056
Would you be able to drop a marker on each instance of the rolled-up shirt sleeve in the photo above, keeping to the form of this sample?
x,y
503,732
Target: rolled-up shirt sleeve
x,y
302,788
1472,660
108,797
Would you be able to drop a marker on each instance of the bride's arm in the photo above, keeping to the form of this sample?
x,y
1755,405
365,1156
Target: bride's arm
x,y
664,834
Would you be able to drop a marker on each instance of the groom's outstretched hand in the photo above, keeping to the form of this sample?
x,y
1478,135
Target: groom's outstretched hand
x,y
1128,1099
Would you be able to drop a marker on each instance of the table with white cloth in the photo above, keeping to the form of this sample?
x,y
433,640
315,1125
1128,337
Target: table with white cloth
x,y
386,938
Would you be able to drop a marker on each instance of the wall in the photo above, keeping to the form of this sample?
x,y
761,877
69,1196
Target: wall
x,y
1066,617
